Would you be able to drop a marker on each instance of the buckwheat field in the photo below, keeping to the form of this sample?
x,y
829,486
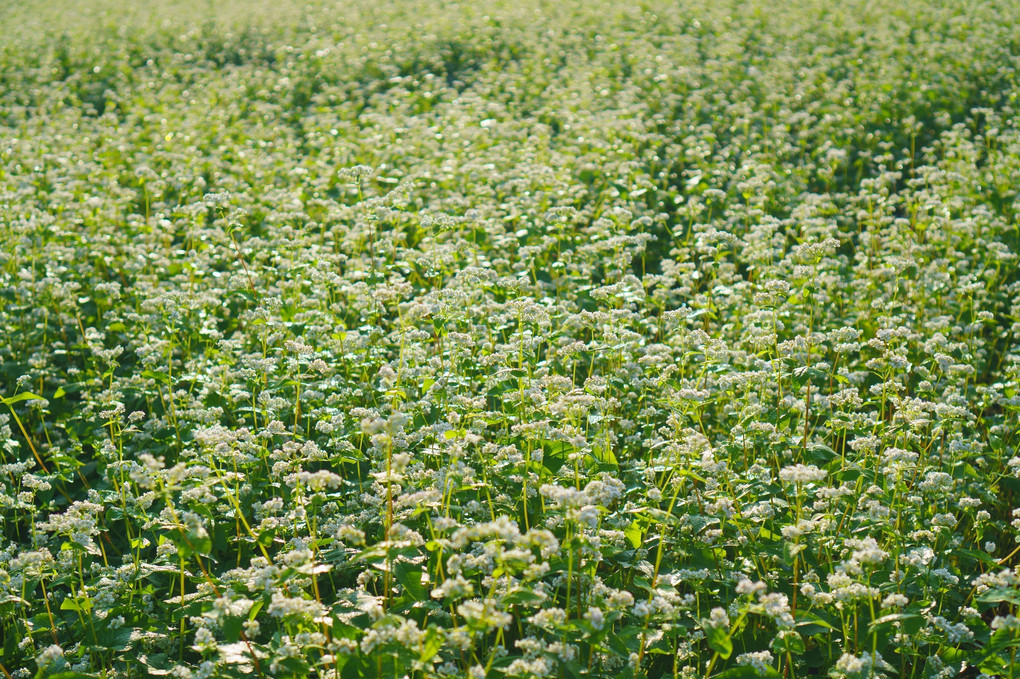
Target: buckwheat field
x,y
429,339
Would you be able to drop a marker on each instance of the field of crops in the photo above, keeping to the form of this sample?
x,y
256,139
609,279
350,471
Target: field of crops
x,y
425,339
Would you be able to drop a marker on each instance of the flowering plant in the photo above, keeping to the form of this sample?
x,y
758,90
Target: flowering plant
x,y
525,340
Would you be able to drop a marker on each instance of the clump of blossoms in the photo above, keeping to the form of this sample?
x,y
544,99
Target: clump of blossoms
x,y
552,340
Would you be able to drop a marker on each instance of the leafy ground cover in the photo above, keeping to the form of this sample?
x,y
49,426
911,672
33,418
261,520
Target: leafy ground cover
x,y
575,339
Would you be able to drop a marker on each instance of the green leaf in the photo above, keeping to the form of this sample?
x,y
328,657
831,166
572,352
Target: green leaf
x,y
625,641
789,642
820,453
910,623
634,534
155,664
555,454
1000,595
410,576
353,668
160,377
719,640
313,568
116,639
995,666
1002,639
231,626
810,624
266,537
430,645
605,455
690,474
79,604
975,555
189,543
23,396
523,596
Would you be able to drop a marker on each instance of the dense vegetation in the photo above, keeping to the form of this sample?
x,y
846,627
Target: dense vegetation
x,y
525,339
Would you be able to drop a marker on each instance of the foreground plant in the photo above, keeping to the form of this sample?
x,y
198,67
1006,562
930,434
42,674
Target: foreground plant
x,y
555,341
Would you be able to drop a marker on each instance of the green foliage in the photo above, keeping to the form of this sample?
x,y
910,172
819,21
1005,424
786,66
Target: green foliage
x,y
426,339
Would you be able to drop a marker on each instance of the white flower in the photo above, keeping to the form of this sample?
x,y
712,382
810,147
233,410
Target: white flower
x,y
895,601
800,473
50,658
718,619
761,661
204,640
